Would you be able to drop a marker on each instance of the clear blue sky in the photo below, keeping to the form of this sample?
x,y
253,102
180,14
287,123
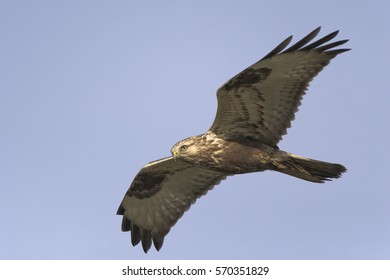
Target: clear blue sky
x,y
90,91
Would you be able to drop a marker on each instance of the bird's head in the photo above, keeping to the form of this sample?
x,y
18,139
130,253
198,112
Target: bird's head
x,y
185,148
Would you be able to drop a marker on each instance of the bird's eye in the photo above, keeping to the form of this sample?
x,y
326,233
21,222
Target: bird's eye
x,y
183,148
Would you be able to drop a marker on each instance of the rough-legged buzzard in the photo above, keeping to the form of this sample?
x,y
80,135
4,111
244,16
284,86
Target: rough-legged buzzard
x,y
254,110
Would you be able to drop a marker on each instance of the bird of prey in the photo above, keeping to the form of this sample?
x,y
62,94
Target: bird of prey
x,y
255,108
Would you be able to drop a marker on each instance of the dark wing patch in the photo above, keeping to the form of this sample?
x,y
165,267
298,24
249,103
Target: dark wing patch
x,y
146,184
159,195
248,77
260,102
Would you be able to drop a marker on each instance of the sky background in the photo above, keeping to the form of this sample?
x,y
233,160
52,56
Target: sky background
x,y
90,91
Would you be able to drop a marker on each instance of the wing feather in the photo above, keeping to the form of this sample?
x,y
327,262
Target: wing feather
x,y
305,40
159,195
260,102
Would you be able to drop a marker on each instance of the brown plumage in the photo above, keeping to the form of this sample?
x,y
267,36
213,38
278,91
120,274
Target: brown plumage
x,y
255,108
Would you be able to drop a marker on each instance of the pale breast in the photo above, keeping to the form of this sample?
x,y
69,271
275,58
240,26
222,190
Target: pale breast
x,y
235,157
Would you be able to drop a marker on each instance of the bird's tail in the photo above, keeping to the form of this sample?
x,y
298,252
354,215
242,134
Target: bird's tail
x,y
310,169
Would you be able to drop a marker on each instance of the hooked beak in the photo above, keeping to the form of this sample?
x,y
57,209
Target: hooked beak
x,y
174,155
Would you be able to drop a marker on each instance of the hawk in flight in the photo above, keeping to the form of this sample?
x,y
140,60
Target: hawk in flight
x,y
255,108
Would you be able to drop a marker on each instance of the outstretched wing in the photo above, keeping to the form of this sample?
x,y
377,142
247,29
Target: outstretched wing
x,y
260,102
159,195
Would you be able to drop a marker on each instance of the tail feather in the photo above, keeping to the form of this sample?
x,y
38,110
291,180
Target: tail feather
x,y
310,169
